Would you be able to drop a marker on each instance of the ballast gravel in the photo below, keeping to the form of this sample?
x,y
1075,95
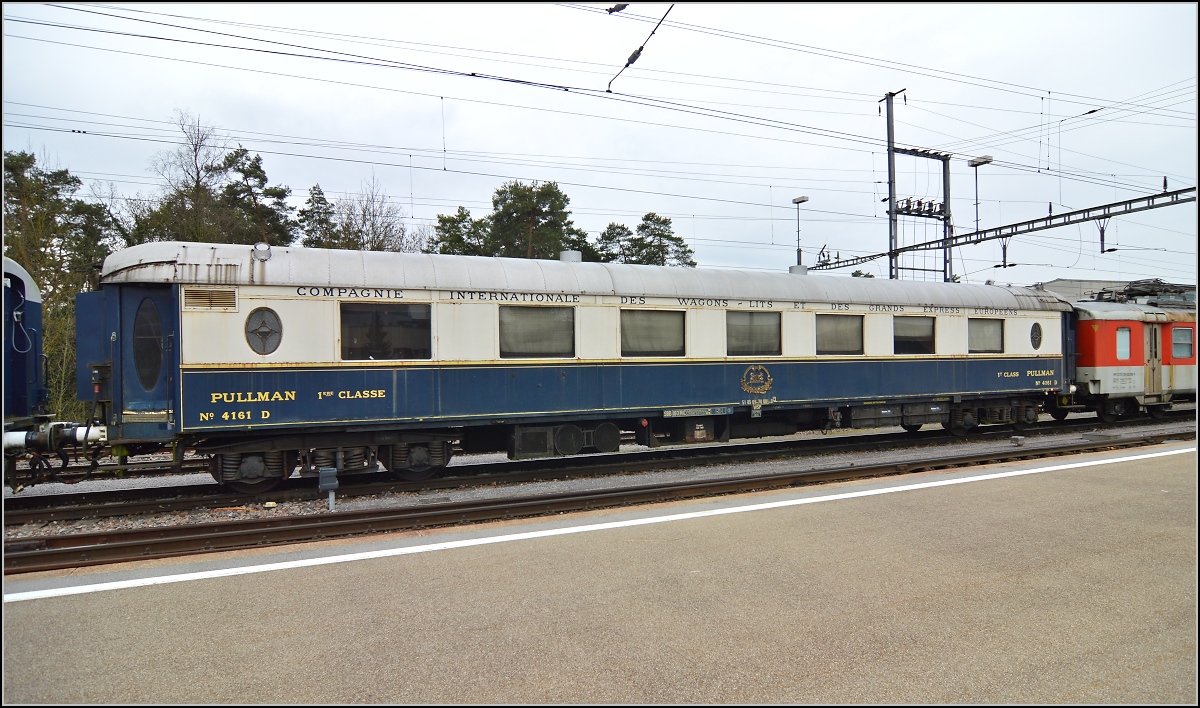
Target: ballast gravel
x,y
497,490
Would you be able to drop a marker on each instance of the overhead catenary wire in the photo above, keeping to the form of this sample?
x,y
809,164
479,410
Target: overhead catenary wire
x,y
483,102
494,103
354,58
410,148
638,52
578,90
688,175
508,175
855,58
387,63
867,98
1003,138
478,174
640,165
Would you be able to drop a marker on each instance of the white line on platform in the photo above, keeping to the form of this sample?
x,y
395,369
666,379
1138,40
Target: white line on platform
x,y
368,555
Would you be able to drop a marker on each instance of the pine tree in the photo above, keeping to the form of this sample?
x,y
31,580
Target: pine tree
x,y
657,244
527,221
460,235
614,244
265,213
316,220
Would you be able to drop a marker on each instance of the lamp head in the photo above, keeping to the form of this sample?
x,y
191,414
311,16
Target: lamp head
x,y
799,200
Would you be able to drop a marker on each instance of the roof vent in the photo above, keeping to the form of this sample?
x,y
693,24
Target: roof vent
x,y
209,299
261,252
570,256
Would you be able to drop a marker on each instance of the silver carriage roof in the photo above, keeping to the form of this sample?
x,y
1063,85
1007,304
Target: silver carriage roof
x,y
224,264
1098,310
32,294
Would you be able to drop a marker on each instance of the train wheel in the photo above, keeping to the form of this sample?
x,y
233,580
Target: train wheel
x,y
1024,417
258,487
959,430
1059,414
607,437
1156,412
568,440
419,474
960,423
1107,414
911,427
419,462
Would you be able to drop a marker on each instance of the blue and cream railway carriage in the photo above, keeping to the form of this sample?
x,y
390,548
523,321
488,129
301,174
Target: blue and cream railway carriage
x,y
24,387
273,358
29,426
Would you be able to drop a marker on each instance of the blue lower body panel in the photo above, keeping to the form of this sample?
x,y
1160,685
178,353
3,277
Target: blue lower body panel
x,y
256,398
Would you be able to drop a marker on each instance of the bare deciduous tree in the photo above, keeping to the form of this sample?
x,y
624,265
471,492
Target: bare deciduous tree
x,y
420,235
198,162
370,221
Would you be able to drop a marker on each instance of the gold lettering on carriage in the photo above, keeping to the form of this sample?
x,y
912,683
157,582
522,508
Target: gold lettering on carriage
x,y
497,296
373,293
253,396
372,393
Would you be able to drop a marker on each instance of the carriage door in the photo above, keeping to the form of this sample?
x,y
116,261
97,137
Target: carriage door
x,y
148,361
1153,359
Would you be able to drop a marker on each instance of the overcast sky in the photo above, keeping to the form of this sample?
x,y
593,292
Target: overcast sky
x,y
729,113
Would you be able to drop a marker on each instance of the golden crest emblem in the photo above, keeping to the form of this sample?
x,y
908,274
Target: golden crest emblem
x,y
756,379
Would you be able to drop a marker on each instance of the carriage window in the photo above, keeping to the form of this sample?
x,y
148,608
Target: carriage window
x,y
385,331
651,333
839,334
985,336
1181,342
264,330
147,344
1122,342
537,331
912,335
753,334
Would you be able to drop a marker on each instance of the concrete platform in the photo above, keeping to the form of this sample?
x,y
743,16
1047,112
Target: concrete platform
x,y
1070,585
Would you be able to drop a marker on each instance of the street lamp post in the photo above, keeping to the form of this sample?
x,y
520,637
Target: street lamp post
x,y
976,163
798,201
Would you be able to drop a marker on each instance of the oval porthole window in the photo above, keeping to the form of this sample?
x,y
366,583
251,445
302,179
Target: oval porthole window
x,y
1035,336
264,331
147,344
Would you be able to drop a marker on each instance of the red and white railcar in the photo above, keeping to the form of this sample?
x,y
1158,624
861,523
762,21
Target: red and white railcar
x,y
1132,357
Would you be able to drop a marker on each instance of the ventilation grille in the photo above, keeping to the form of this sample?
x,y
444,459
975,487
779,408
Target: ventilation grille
x,y
205,299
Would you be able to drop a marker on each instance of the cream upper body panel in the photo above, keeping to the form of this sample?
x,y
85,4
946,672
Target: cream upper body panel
x,y
221,284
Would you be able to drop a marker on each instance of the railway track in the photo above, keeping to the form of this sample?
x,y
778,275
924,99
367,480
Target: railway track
x,y
128,502
77,472
76,550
